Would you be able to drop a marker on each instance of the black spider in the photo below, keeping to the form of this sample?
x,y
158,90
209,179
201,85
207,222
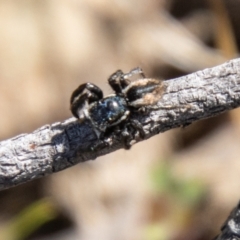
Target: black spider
x,y
87,102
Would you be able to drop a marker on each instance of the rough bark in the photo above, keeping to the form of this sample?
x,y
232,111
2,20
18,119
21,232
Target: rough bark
x,y
231,228
55,147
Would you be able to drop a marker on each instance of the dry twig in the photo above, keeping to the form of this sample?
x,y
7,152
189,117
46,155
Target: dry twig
x,y
231,228
55,147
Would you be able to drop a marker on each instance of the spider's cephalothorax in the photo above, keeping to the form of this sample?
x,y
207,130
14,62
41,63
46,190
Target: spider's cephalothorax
x,y
87,101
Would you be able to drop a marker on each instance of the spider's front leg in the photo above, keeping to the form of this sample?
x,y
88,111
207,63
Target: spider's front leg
x,y
84,95
114,81
119,80
134,71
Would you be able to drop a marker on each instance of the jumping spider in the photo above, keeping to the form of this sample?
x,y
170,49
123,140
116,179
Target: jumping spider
x,y
87,102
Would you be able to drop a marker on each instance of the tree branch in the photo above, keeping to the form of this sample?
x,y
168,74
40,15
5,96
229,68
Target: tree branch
x,y
231,228
55,147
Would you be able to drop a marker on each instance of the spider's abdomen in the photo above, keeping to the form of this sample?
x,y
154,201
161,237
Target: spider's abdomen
x,y
143,92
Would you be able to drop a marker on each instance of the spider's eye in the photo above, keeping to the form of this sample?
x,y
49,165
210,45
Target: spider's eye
x,y
112,105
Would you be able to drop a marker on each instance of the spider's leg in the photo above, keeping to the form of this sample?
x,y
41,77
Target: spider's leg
x,y
133,72
138,127
126,138
129,130
119,80
114,81
82,96
94,92
125,78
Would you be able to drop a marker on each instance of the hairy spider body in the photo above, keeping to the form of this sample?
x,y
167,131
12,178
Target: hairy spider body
x,y
87,102
143,92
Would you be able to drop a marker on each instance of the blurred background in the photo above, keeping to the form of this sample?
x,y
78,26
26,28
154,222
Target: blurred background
x,y
178,185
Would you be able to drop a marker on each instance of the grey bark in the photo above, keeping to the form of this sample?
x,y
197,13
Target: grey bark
x,y
55,147
231,228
